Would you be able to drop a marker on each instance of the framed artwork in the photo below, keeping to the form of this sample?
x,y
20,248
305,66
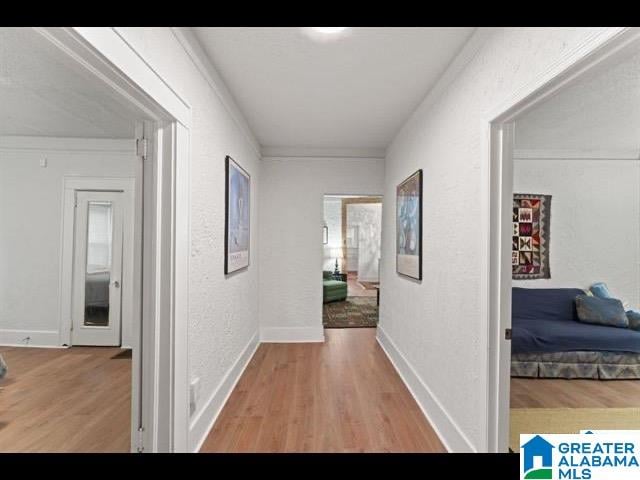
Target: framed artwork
x,y
237,217
325,235
530,238
409,227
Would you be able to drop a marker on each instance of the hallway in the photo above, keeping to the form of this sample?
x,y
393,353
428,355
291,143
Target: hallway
x,y
340,396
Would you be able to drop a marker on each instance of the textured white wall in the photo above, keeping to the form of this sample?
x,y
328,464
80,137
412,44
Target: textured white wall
x,y
223,311
31,227
595,222
291,253
437,324
368,218
333,219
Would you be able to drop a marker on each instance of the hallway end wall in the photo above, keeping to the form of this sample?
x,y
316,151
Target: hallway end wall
x,y
291,253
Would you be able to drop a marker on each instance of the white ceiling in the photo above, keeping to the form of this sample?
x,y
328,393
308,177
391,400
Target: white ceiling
x,y
43,93
601,111
352,91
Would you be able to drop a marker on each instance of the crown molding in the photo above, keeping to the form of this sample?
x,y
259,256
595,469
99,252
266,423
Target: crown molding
x,y
192,46
311,152
576,154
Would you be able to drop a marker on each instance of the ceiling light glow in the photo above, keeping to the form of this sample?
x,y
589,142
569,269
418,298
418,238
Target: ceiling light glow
x,y
329,30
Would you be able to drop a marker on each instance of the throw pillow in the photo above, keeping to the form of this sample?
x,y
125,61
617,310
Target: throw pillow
x,y
601,311
600,290
634,319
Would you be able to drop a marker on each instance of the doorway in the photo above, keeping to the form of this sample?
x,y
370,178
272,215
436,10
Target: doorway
x,y
352,248
158,366
509,255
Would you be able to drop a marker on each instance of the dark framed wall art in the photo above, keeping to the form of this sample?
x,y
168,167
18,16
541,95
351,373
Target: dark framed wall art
x,y
237,217
409,227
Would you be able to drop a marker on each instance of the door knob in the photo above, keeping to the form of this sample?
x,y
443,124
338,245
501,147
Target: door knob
x,y
116,283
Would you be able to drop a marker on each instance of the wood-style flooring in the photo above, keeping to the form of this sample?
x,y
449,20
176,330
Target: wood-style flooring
x,y
577,393
339,396
65,400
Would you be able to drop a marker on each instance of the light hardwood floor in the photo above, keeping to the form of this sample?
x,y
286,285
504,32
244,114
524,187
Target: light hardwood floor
x,y
65,400
557,393
339,396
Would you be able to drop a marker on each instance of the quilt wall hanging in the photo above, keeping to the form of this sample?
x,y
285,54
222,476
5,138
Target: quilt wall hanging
x,y
530,245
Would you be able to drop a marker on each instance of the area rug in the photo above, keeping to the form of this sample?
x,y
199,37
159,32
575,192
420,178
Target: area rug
x,y
354,312
530,245
569,420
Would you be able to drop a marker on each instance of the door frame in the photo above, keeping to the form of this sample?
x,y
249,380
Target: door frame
x,y
131,270
160,364
497,195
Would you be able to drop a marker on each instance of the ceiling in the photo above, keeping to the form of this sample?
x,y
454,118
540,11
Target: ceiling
x,y
601,111
44,93
354,90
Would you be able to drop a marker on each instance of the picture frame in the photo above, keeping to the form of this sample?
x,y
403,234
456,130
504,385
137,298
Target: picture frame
x,y
409,226
237,234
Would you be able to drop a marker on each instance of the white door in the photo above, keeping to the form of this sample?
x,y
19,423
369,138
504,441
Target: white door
x,y
97,269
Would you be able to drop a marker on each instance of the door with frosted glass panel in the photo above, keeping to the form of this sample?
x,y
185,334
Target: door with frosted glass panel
x,y
97,269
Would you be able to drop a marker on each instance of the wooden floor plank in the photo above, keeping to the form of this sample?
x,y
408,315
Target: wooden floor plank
x,y
65,400
343,395
576,393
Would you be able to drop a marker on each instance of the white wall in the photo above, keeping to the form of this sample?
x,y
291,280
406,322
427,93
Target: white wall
x,y
595,222
435,330
291,253
333,220
368,218
223,310
31,211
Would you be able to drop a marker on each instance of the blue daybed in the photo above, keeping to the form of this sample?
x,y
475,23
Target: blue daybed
x,y
548,340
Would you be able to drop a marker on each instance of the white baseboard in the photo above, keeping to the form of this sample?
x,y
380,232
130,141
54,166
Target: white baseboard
x,y
450,434
291,334
30,338
203,422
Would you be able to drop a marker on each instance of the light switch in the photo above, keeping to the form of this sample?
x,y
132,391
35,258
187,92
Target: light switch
x,y
43,162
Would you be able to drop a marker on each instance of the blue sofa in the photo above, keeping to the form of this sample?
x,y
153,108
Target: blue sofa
x,y
549,341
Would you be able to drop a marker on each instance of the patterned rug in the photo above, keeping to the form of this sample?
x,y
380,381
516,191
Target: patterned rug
x,y
352,313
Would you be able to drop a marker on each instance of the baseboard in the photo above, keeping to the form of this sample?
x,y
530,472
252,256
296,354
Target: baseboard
x,y
203,422
30,338
291,334
450,434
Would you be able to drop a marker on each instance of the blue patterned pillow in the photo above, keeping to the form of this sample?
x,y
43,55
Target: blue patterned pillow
x,y
634,319
601,311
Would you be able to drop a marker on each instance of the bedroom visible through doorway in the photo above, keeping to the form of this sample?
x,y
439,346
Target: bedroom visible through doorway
x,y
575,256
351,260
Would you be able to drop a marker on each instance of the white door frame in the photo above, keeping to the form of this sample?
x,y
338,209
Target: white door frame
x,y
497,186
163,361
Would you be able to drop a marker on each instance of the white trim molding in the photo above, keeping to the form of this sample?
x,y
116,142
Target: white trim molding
x,y
30,338
203,422
68,144
576,154
451,435
292,334
321,152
